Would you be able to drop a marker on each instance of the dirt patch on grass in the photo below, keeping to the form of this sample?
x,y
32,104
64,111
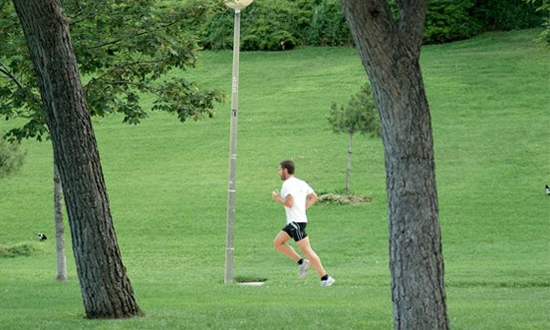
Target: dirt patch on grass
x,y
17,250
343,199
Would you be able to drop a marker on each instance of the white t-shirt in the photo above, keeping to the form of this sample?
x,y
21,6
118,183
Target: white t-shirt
x,y
299,190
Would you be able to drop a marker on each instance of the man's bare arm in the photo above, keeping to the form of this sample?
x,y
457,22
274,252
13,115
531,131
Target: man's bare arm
x,y
311,199
288,201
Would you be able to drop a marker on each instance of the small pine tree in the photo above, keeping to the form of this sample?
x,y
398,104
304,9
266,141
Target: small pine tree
x,y
360,115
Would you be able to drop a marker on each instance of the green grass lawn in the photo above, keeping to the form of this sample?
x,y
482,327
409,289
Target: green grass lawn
x,y
167,183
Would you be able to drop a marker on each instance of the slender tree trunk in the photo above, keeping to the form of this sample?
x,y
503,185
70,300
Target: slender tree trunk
x,y
348,164
106,289
59,226
390,54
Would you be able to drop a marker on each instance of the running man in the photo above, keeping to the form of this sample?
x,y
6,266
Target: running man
x,y
296,197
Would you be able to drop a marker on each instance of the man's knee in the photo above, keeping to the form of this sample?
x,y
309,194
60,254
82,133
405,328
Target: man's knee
x,y
277,243
280,240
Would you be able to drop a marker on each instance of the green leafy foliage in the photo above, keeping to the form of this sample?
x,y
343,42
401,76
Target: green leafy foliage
x,y
267,25
285,24
360,114
448,20
328,25
279,25
125,49
544,9
505,15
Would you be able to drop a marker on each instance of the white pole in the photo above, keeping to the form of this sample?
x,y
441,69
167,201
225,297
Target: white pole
x,y
229,241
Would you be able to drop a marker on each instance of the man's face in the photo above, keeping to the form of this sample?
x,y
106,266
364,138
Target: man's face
x,y
283,173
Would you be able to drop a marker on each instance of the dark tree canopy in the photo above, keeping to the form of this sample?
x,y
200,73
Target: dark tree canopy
x,y
124,50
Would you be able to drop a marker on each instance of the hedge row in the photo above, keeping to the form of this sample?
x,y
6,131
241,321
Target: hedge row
x,y
285,24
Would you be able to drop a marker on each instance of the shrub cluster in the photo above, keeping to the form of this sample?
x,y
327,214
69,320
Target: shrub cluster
x,y
449,20
278,25
285,24
505,15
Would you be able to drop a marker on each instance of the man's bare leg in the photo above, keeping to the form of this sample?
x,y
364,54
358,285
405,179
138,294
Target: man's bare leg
x,y
308,252
280,245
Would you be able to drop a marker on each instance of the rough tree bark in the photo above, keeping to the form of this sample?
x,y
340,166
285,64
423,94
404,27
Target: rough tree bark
x,y
106,289
59,226
390,53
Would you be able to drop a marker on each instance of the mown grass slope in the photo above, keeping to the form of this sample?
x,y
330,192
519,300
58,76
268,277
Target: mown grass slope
x,y
167,183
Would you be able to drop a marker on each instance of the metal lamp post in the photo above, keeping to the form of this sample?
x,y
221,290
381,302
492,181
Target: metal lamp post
x,y
237,6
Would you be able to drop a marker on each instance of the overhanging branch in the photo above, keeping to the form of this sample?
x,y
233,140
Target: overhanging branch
x,y
7,73
137,34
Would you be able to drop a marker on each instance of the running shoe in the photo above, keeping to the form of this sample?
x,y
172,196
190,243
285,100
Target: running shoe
x,y
303,268
328,282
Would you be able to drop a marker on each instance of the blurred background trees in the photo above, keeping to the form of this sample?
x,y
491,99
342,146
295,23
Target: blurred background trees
x,y
285,24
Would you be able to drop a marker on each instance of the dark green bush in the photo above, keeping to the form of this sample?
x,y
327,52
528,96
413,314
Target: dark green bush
x,y
269,25
504,15
217,30
285,24
328,25
265,25
449,20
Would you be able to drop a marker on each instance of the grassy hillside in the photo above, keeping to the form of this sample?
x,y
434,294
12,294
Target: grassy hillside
x,y
167,184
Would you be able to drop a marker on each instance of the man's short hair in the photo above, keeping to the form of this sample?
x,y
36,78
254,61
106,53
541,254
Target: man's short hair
x,y
289,165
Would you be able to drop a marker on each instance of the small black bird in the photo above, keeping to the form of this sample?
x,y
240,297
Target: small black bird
x,y
42,237
547,189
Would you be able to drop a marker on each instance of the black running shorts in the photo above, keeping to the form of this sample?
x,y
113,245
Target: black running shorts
x,y
296,230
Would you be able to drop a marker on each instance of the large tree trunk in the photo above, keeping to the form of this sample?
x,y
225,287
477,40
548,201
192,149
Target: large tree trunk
x,y
390,54
59,226
106,289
